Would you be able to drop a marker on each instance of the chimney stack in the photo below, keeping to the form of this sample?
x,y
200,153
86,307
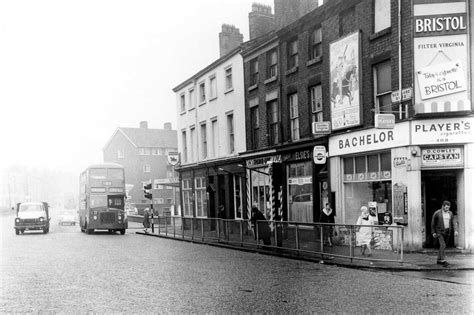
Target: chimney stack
x,y
229,39
261,20
143,124
167,126
288,11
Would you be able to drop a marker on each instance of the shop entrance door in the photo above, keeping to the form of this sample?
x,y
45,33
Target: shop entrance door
x,y
437,187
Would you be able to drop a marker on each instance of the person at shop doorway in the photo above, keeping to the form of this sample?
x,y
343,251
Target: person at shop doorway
x,y
221,216
261,227
441,226
364,235
327,216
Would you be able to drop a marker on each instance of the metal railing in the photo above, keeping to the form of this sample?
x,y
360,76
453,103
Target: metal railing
x,y
293,238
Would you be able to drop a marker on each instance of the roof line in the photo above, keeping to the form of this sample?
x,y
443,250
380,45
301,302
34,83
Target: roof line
x,y
113,135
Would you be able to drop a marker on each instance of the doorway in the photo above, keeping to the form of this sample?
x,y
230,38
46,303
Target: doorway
x,y
438,186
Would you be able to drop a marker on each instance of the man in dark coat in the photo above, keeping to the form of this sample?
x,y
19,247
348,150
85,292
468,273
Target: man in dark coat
x,y
264,232
441,227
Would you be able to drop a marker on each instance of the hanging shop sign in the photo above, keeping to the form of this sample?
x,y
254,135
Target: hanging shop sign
x,y
321,127
442,131
384,121
442,157
173,158
319,154
441,60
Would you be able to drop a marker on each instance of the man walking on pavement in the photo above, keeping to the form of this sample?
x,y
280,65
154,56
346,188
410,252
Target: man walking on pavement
x,y
441,227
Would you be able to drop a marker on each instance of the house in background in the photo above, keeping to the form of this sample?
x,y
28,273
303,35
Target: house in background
x,y
144,154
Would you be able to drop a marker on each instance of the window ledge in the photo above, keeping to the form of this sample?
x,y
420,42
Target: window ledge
x,y
202,103
214,98
269,80
182,113
253,87
229,90
381,33
314,61
192,108
292,70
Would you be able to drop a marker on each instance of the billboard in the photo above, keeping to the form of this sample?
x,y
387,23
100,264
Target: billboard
x,y
344,60
440,56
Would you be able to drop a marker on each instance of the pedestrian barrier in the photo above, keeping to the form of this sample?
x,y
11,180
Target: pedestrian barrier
x,y
287,237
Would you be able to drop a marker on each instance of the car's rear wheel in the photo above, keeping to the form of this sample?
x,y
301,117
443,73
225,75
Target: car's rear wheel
x,y
45,230
122,231
22,231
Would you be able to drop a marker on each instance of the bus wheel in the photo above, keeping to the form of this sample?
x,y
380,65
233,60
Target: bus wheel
x,y
45,230
122,231
17,231
89,231
22,231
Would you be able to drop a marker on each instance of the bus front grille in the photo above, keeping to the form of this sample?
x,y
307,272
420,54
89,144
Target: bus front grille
x,y
107,217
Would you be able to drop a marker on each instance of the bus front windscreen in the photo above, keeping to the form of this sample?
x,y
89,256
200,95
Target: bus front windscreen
x,y
98,201
116,202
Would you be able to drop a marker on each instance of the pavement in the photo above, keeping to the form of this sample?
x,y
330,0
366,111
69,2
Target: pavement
x,y
425,260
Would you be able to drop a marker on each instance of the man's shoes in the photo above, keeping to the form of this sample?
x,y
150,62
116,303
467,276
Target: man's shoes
x,y
445,264
442,262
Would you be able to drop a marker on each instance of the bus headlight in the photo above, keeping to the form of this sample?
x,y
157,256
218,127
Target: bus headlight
x,y
95,217
120,217
41,219
17,220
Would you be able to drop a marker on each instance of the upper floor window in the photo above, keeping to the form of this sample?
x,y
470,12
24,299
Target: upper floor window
x,y
212,87
255,125
294,116
316,99
272,64
382,18
228,79
185,146
182,102
157,151
316,49
202,92
215,137
192,143
230,130
120,154
293,54
253,71
192,99
203,141
273,122
144,151
383,86
146,168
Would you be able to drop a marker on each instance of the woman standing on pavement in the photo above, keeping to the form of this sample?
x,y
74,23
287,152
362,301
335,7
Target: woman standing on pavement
x,y
364,235
327,216
146,220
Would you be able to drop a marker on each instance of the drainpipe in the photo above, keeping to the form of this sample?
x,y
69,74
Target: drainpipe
x,y
400,108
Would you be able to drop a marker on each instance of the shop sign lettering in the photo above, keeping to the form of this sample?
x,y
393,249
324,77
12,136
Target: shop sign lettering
x,y
303,155
441,157
366,139
263,160
442,131
300,180
400,161
437,25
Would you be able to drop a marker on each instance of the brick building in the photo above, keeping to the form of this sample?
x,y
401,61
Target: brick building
x,y
143,152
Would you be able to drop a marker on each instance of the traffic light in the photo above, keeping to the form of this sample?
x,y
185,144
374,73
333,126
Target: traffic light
x,y
147,191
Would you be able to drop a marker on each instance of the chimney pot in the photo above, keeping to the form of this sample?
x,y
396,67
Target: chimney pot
x,y
144,124
167,126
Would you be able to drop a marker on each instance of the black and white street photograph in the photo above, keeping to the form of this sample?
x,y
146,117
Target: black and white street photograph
x,y
236,156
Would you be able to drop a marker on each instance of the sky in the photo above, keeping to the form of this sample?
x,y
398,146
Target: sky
x,y
73,71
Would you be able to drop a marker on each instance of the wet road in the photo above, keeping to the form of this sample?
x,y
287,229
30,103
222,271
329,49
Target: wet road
x,y
69,271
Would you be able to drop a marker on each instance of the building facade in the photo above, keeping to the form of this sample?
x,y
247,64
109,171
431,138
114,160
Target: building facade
x,y
144,154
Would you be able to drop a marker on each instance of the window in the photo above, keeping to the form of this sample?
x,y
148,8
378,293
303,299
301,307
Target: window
x,y
255,125
120,154
201,200
316,49
228,79
383,87
157,151
253,72
187,197
230,130
381,15
300,192
212,87
192,99
316,100
185,147
272,64
192,144
144,151
202,92
203,141
294,120
146,168
182,101
215,138
273,122
293,54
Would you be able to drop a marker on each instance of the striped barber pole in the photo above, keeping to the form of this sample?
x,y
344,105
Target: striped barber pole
x,y
272,202
280,204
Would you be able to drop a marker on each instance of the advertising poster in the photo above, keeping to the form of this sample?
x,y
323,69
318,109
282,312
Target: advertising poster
x,y
440,57
345,84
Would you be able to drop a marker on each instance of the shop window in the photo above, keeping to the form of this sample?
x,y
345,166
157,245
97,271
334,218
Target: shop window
x,y
261,192
300,192
201,200
360,164
187,197
373,163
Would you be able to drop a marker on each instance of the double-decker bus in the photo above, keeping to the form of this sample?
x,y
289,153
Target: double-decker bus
x,y
102,198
